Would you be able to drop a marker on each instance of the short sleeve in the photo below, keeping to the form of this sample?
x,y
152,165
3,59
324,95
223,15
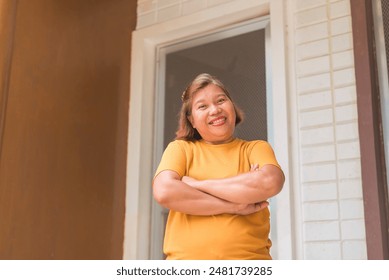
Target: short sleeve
x,y
262,154
173,158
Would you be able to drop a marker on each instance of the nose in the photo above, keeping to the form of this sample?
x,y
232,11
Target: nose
x,y
214,110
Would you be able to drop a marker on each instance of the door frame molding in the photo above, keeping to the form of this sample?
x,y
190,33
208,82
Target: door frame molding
x,y
141,143
375,196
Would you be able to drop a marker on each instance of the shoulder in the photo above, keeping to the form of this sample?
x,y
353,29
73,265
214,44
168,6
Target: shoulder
x,y
257,144
260,149
260,143
182,145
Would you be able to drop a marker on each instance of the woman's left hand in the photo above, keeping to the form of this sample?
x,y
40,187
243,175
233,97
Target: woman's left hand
x,y
254,167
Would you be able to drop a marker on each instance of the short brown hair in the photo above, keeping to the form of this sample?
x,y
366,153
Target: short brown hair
x,y
185,129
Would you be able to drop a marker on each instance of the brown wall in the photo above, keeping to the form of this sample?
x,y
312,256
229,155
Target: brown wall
x,y
63,130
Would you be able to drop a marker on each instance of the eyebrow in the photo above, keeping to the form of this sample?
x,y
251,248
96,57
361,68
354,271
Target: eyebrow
x,y
217,96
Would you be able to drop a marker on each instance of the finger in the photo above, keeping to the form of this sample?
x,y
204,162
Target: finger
x,y
254,167
262,205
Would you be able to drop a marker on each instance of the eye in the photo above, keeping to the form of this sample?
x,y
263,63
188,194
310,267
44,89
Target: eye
x,y
201,107
221,100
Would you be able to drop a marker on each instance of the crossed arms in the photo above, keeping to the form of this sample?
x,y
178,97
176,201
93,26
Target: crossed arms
x,y
243,194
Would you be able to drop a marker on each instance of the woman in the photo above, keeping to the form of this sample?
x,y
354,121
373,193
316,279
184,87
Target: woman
x,y
214,184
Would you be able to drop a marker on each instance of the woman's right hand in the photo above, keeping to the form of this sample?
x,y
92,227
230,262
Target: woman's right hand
x,y
247,209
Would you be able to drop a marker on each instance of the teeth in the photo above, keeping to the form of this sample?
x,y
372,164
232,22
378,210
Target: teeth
x,y
218,121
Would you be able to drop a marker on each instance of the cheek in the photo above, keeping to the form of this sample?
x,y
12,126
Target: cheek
x,y
198,120
231,111
194,119
234,114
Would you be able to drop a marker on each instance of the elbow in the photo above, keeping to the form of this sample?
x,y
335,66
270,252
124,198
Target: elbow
x,y
272,181
164,188
160,195
274,184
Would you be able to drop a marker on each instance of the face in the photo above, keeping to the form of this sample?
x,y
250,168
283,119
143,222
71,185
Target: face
x,y
213,115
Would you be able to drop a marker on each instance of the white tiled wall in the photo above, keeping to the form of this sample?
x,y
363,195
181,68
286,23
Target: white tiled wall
x,y
156,11
332,222
333,219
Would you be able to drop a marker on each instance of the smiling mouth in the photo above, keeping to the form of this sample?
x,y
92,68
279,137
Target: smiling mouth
x,y
218,121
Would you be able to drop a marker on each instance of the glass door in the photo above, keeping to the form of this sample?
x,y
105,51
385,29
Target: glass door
x,y
238,57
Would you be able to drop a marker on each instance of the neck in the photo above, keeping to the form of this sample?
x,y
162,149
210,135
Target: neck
x,y
219,142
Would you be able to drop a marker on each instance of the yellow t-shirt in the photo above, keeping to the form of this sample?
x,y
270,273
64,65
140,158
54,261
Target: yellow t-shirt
x,y
224,236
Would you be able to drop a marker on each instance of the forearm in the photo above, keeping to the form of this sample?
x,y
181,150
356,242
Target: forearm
x,y
176,195
183,198
250,187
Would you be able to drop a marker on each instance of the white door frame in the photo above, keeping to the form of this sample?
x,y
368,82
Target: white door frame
x,y
141,142
262,23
